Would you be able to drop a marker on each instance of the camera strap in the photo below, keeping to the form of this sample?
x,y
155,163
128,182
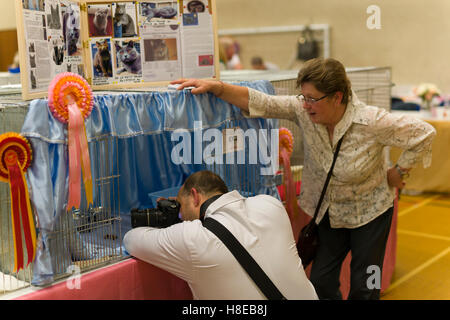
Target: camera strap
x,y
206,204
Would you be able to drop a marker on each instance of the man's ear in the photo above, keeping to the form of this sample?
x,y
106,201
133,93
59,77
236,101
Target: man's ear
x,y
195,195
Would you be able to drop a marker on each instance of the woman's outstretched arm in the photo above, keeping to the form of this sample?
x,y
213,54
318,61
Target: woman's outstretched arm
x,y
230,93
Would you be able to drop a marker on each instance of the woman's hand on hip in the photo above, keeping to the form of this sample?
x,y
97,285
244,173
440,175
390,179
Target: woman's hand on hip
x,y
395,180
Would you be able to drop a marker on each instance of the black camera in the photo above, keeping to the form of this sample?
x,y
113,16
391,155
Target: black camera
x,y
164,215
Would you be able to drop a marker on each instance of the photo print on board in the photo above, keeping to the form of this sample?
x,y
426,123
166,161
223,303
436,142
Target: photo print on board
x,y
159,13
32,60
100,20
160,49
44,28
124,18
128,57
206,60
37,5
195,6
32,80
56,48
190,19
31,47
101,58
71,29
53,13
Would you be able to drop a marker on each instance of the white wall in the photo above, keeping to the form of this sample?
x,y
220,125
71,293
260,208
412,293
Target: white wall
x,y
7,15
414,38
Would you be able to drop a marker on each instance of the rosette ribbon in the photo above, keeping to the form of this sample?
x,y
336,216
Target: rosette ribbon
x,y
70,100
286,147
15,158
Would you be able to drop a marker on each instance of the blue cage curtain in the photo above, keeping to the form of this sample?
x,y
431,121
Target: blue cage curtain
x,y
143,125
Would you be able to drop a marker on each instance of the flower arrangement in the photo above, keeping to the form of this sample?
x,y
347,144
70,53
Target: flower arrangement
x,y
427,91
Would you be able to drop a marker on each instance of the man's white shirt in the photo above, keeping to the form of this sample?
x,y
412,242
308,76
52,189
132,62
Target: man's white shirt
x,y
196,255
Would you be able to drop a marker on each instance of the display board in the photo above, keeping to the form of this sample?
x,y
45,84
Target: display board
x,y
116,44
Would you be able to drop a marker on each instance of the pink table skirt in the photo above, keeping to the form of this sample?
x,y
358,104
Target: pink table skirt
x,y
130,279
133,279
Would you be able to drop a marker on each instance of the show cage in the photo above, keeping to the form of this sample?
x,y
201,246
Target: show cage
x,y
12,115
88,238
81,239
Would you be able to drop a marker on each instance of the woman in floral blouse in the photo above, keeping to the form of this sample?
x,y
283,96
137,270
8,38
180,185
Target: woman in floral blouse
x,y
357,210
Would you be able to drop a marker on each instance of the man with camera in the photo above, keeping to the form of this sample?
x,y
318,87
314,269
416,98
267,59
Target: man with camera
x,y
196,255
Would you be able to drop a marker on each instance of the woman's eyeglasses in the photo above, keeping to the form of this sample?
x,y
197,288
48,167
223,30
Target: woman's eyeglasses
x,y
310,100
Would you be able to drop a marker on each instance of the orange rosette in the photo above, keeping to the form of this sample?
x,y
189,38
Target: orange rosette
x,y
67,88
286,142
286,147
70,100
15,158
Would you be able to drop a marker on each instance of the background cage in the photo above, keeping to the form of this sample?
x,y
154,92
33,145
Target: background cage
x,y
248,176
257,38
372,85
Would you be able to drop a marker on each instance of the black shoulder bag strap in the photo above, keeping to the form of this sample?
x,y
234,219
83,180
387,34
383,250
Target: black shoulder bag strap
x,y
338,147
245,259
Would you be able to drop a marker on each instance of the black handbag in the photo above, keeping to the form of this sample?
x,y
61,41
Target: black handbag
x,y
308,47
308,239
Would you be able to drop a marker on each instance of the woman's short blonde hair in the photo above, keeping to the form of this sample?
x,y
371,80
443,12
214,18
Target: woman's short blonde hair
x,y
327,76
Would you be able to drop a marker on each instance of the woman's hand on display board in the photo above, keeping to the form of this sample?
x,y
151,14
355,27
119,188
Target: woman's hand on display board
x,y
199,86
231,93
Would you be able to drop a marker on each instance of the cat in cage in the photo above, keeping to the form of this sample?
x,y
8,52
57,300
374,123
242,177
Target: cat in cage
x,y
124,21
129,57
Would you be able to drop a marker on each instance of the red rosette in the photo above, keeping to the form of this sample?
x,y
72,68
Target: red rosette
x,y
13,147
15,158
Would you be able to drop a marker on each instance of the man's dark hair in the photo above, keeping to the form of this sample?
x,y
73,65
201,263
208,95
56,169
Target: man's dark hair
x,y
205,182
